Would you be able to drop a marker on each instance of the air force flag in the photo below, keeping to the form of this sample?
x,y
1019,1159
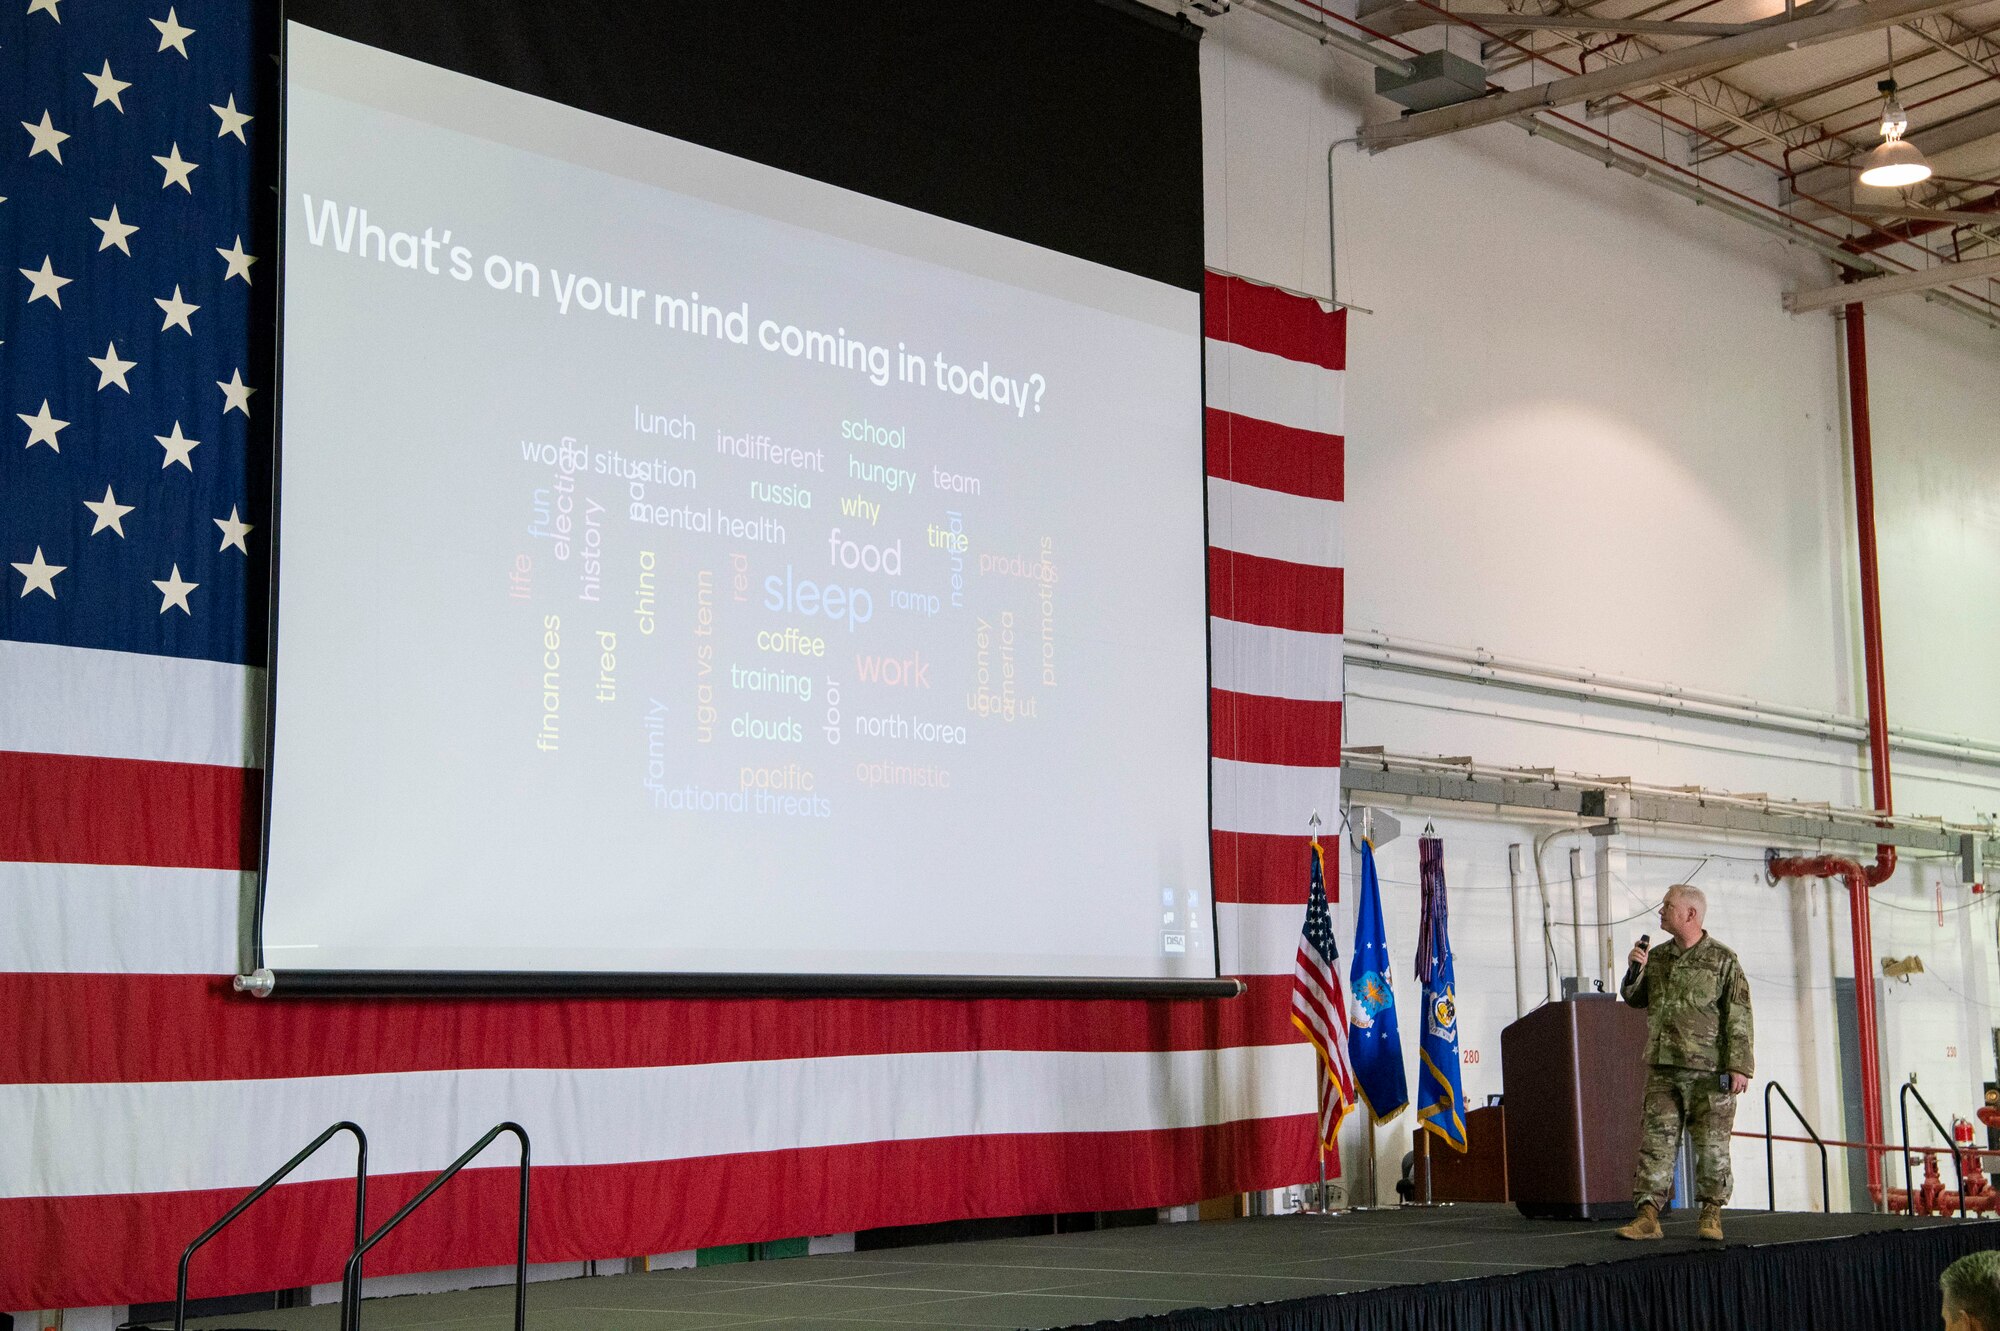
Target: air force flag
x,y
1374,1046
1440,1099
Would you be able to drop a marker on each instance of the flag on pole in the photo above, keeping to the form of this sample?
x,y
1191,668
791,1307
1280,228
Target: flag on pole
x,y
1440,1098
1318,1008
1374,1044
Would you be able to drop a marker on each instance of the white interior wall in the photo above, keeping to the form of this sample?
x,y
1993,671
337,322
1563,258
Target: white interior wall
x,y
1936,411
1582,430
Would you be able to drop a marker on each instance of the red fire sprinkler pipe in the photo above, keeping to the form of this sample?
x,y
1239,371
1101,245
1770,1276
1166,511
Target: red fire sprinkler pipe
x,y
1871,592
1858,877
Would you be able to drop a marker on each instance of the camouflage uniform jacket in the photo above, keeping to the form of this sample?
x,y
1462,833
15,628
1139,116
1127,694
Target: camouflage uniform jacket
x,y
1697,1005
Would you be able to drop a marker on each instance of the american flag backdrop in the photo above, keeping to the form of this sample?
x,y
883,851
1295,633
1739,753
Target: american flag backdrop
x,y
139,1096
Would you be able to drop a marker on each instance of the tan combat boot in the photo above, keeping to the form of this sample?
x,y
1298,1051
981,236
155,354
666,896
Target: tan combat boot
x,y
1711,1223
1646,1225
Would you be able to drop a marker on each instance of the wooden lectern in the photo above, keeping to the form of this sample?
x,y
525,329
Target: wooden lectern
x,y
1479,1174
1575,1077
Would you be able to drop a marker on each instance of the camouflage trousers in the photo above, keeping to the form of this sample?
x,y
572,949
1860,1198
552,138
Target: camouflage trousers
x,y
1683,1100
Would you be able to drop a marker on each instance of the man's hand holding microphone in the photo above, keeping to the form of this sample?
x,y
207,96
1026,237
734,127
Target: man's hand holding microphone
x,y
1637,958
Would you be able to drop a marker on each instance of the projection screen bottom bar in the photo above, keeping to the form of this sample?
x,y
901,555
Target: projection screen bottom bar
x,y
461,984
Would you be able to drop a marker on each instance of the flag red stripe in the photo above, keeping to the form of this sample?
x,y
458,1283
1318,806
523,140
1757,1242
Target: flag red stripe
x,y
1267,319
99,1250
1319,1026
1274,592
66,1028
1256,868
1255,728
1275,457
68,809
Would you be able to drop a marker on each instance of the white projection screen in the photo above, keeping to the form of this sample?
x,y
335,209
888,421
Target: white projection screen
x,y
690,568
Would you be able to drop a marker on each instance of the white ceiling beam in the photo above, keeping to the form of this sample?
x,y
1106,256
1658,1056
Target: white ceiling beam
x,y
1320,31
1892,284
1410,16
1769,38
1988,218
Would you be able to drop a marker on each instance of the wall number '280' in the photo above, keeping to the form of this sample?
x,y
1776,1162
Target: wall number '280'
x,y
1470,1055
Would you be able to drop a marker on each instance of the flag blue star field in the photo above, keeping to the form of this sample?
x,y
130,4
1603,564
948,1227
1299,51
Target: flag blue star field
x,y
1374,1044
133,453
1440,1098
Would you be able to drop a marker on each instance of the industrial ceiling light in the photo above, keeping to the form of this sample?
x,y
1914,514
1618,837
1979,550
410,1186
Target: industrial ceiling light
x,y
1894,162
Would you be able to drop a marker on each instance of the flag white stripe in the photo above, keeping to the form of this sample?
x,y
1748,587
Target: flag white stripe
x,y
126,919
78,700
102,918
1257,939
1313,1014
1274,662
1274,524
1271,388
1318,981
1271,798
1312,992
70,1140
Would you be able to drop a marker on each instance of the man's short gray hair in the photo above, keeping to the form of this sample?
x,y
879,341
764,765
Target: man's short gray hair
x,y
1690,895
1972,1285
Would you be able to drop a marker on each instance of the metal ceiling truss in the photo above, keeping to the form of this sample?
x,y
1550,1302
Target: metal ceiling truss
x,y
1941,33
1715,117
1768,38
1710,93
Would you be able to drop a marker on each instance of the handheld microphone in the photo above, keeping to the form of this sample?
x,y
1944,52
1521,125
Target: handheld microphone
x,y
1632,971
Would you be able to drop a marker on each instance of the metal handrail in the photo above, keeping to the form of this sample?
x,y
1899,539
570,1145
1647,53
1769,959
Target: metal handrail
x,y
1770,1164
350,1280
360,1205
1957,1160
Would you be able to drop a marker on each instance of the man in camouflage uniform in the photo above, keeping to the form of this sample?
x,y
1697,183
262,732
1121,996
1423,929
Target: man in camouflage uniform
x,y
1698,1040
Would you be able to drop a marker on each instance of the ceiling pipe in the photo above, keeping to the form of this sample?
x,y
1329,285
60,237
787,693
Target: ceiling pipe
x,y
1372,648
1768,37
1775,222
1858,877
1327,35
1600,151
1986,210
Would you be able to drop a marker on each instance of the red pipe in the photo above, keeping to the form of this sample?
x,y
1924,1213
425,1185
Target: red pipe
x,y
1860,878
1871,592
1897,233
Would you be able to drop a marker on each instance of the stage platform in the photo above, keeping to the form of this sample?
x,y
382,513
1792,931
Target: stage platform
x,y
1481,1268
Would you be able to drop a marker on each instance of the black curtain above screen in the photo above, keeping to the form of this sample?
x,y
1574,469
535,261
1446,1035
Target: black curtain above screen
x,y
1070,124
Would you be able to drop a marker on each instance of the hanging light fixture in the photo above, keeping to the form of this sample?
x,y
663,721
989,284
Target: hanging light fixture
x,y
1894,162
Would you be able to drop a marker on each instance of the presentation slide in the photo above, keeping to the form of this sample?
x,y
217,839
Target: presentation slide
x,y
690,567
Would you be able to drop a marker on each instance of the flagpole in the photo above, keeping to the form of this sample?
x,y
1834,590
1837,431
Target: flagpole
x,y
1374,1190
1312,834
1374,1185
